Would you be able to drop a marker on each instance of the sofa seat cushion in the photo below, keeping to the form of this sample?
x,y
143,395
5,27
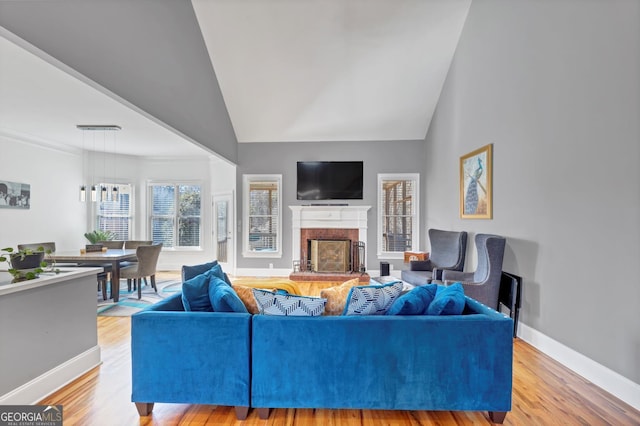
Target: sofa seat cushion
x,y
414,302
372,299
283,304
449,300
337,296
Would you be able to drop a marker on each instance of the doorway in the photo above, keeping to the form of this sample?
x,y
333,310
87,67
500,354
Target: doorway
x,y
223,231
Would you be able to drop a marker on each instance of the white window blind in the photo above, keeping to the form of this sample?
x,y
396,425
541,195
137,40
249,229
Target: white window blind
x,y
116,215
263,236
397,204
176,215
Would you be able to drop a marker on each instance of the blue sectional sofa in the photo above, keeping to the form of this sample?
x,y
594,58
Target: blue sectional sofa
x,y
190,357
390,362
418,362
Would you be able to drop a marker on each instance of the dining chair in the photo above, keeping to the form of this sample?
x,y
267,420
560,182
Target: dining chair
x,y
105,277
112,244
134,244
145,267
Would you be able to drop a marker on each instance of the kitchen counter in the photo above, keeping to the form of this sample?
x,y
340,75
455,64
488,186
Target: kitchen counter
x,y
48,330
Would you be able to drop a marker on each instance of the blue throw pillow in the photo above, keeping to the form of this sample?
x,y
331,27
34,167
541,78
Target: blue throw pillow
x,y
223,297
449,300
189,272
414,302
283,303
372,299
195,293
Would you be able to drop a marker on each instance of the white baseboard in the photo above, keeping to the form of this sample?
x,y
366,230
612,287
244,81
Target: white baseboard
x,y
39,388
601,376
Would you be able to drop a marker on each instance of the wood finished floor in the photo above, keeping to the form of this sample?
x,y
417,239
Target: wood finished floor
x,y
544,393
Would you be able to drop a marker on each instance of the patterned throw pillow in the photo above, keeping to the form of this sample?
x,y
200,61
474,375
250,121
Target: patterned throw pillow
x,y
372,299
281,303
246,295
337,296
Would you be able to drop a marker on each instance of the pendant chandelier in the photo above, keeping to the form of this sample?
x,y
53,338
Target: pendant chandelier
x,y
105,194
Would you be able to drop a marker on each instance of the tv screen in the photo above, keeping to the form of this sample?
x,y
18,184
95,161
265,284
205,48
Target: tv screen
x,y
330,180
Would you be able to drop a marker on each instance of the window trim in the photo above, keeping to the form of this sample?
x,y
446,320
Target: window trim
x,y
415,229
246,181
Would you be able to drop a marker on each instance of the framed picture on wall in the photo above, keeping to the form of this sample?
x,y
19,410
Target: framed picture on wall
x,y
14,195
476,186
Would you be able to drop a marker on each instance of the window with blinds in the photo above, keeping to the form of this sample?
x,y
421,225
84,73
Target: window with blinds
x,y
398,214
263,219
175,215
115,214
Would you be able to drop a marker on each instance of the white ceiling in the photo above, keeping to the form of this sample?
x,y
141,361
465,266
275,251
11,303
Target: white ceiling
x,y
331,70
289,70
41,103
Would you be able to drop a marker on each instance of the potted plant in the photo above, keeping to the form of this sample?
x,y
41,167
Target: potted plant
x,y
26,264
96,236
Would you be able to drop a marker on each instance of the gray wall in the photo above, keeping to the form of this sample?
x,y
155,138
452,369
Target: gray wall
x,y
555,87
281,158
149,52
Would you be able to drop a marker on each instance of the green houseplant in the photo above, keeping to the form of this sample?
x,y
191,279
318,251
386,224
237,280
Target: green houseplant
x,y
25,264
96,236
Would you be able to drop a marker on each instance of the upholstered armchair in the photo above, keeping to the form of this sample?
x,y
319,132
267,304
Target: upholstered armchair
x,y
483,285
145,267
448,251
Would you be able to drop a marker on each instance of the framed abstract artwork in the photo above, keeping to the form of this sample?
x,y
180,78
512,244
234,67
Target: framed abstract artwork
x,y
476,186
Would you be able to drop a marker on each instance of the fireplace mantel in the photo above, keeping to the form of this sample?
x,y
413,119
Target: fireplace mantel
x,y
354,217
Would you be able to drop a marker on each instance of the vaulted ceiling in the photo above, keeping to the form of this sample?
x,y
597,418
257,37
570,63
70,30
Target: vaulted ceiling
x,y
287,70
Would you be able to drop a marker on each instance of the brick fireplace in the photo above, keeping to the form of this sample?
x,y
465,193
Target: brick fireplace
x,y
344,225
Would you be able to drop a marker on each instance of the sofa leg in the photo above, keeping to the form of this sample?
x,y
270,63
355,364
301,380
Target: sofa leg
x,y
263,413
144,408
241,412
497,416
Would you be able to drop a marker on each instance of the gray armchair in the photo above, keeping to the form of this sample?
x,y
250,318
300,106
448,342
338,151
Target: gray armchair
x,y
448,251
483,284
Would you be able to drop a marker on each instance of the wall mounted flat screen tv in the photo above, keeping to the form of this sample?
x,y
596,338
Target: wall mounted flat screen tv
x,y
330,180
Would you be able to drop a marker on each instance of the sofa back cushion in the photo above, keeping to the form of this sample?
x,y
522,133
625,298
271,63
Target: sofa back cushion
x,y
190,271
372,299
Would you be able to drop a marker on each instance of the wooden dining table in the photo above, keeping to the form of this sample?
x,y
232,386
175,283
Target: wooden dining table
x,y
114,257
